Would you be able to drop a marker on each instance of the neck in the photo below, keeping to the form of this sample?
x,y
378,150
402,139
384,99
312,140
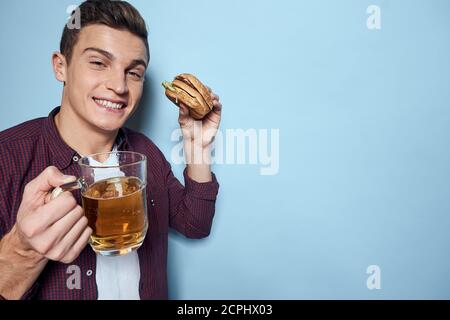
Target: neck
x,y
81,136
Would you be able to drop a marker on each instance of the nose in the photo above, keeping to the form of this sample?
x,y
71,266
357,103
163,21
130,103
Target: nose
x,y
117,82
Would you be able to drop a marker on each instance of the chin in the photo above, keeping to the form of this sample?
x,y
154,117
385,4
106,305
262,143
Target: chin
x,y
109,123
108,127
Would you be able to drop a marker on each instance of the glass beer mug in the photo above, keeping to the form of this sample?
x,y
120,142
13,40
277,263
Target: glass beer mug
x,y
113,192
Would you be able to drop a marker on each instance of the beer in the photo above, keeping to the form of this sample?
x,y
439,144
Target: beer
x,y
116,211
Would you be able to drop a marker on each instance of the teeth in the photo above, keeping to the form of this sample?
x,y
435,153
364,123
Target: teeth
x,y
109,104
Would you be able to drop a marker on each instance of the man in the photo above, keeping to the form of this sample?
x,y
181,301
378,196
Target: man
x,y
43,243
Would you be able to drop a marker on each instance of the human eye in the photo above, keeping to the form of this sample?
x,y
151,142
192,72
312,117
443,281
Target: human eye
x,y
98,64
135,75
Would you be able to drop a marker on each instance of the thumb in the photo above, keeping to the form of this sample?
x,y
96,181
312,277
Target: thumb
x,y
184,110
183,116
50,178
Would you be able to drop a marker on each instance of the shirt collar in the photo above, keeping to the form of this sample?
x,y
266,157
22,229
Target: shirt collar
x,y
62,153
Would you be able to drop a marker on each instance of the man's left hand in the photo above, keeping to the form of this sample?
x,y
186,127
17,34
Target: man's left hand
x,y
201,132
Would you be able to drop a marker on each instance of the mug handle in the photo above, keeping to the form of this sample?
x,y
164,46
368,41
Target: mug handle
x,y
74,185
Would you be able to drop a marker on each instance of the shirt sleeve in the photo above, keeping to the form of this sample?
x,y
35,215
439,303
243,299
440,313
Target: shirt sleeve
x,y
2,223
5,209
6,192
191,207
2,207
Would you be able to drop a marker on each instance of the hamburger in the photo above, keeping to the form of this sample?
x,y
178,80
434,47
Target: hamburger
x,y
187,89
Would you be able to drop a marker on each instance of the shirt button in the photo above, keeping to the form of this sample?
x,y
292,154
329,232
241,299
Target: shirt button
x,y
75,158
152,202
89,273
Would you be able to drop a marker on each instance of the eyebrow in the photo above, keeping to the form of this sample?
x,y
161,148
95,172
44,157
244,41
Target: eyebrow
x,y
110,56
137,62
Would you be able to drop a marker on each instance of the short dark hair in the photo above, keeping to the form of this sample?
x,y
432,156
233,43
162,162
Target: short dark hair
x,y
115,14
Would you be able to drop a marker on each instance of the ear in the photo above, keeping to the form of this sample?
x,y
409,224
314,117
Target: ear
x,y
59,66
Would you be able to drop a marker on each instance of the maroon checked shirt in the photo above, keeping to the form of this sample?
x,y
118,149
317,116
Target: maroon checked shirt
x,y
28,148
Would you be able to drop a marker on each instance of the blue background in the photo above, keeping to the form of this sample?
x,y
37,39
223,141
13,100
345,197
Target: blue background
x,y
364,119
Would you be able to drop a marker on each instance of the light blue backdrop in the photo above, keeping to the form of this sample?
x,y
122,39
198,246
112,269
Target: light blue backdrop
x,y
364,120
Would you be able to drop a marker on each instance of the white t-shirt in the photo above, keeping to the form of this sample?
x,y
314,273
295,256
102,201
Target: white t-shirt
x,y
117,277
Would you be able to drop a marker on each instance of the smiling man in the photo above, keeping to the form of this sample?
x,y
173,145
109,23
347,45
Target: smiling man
x,y
43,246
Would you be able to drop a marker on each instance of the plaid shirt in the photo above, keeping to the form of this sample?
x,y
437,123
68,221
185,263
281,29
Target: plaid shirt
x,y
28,148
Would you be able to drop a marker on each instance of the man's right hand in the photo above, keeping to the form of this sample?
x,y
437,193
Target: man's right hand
x,y
55,230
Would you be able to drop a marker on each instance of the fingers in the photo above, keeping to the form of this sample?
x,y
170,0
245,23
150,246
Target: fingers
x,y
215,115
216,111
50,178
55,241
217,106
66,240
76,249
213,95
62,248
62,227
39,220
53,211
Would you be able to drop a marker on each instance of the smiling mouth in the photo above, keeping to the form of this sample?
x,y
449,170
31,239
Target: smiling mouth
x,y
109,104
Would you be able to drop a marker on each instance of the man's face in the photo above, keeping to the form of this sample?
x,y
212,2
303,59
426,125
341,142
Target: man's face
x,y
105,77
